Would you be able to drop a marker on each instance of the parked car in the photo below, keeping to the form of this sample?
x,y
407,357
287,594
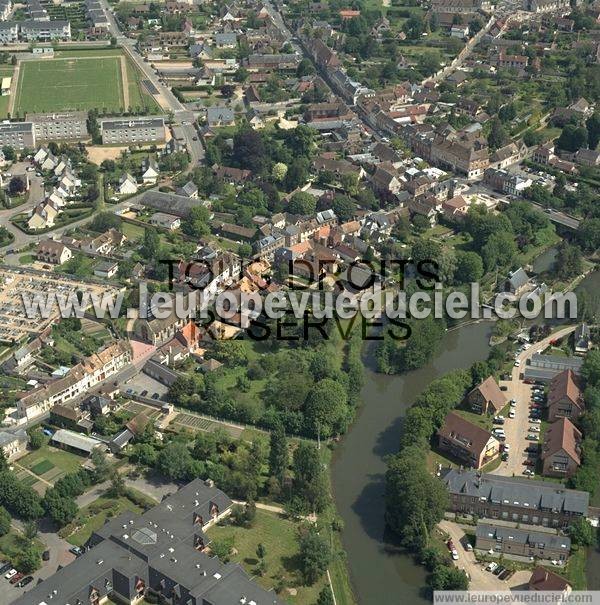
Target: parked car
x,y
493,565
529,462
144,393
499,570
46,555
155,396
517,363
534,428
25,581
511,414
498,421
468,547
505,447
11,574
528,472
5,567
16,578
76,550
536,421
532,437
504,456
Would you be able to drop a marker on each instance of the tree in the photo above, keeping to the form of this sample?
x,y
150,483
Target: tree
x,y
30,530
151,244
196,223
36,439
582,533
249,150
305,68
326,408
325,597
103,221
415,499
5,521
9,153
222,548
572,138
261,551
429,61
61,509
278,454
28,560
17,185
279,171
100,464
593,129
497,137
302,203
413,27
569,261
589,234
175,461
315,555
309,478
469,267
445,577
344,207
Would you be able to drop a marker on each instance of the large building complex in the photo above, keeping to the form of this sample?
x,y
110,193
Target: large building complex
x,y
17,134
64,126
163,551
514,499
132,130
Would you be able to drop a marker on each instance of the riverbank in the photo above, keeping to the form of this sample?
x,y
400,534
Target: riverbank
x,y
378,567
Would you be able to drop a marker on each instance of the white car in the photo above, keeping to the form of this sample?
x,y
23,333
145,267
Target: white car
x,y
454,555
528,472
517,363
534,429
492,566
533,437
10,574
511,414
535,421
507,447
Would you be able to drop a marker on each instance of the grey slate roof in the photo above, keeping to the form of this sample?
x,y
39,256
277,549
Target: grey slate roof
x,y
517,492
523,536
171,203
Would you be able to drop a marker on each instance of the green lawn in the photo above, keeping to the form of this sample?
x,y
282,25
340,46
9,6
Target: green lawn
x,y
93,517
38,460
279,536
78,83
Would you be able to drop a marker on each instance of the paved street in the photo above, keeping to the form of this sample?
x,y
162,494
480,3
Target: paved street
x,y
518,428
480,578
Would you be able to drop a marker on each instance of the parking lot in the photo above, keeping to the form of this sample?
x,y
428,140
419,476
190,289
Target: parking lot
x,y
480,578
145,386
517,429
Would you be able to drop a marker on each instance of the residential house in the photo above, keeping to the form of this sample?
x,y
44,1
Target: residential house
x,y
127,185
150,171
42,216
166,221
582,340
486,398
565,398
188,190
220,116
467,442
13,445
515,499
561,452
55,253
517,282
515,542
106,269
545,580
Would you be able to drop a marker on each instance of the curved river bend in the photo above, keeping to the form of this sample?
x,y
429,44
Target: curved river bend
x,y
381,574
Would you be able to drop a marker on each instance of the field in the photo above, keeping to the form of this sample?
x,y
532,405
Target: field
x,y
77,83
50,463
279,537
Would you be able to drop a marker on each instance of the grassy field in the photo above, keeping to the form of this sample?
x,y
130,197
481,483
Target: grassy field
x,y
52,461
77,83
279,536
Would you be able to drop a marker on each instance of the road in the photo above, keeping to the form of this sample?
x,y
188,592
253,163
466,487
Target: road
x,y
36,194
518,428
182,116
480,578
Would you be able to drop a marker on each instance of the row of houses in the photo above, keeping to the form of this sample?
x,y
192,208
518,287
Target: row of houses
x,y
34,31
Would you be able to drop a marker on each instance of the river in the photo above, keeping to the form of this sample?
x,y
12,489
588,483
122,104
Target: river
x,y
382,574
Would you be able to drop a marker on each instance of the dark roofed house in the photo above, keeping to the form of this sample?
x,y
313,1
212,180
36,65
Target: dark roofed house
x,y
487,398
582,339
466,441
517,282
188,190
546,580
565,399
162,550
514,499
561,452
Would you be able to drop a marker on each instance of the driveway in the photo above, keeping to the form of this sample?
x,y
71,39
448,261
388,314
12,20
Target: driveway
x,y
518,428
480,578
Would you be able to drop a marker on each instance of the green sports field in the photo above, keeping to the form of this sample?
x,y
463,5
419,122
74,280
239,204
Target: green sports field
x,y
75,83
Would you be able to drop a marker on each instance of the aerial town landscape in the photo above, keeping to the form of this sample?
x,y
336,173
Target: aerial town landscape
x,y
189,153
